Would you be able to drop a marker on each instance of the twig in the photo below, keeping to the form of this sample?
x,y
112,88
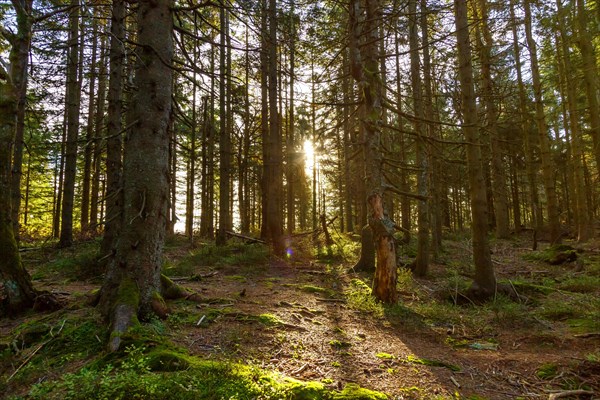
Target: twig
x,y
569,393
200,320
26,360
455,382
302,368
587,335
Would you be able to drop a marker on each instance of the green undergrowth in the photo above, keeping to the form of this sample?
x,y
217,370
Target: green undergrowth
x,y
553,255
76,263
234,253
65,359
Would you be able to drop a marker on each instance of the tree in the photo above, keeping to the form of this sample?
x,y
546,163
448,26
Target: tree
x,y
19,61
225,132
16,291
272,229
72,100
542,130
364,67
500,196
132,286
114,163
484,284
422,260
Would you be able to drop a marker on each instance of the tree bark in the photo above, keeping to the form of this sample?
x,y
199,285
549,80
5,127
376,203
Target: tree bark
x,y
499,189
364,61
584,218
16,291
528,141
422,260
19,62
114,163
542,130
73,100
484,284
132,286
89,142
590,76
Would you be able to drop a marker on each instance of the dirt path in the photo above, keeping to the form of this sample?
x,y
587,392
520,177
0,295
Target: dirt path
x,y
320,337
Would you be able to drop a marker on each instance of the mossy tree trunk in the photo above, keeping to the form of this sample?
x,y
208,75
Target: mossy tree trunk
x,y
364,17
16,291
132,286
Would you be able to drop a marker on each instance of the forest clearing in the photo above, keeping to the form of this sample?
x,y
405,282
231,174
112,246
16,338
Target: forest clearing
x,y
311,324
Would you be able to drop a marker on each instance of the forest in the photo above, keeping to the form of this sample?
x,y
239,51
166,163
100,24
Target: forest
x,y
326,199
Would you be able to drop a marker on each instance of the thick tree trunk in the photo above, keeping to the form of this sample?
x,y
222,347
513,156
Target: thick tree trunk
x,y
132,287
364,61
16,291
484,284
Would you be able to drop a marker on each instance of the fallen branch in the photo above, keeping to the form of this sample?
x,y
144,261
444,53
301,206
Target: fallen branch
x,y
248,238
587,335
569,393
36,350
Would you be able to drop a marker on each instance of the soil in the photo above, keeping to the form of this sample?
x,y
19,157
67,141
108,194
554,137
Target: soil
x,y
319,336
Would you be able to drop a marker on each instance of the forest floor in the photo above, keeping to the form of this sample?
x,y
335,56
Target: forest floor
x,y
312,318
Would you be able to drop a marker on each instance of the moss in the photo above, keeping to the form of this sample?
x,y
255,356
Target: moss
x,y
128,293
547,371
298,390
353,391
339,344
432,363
168,361
269,320
385,356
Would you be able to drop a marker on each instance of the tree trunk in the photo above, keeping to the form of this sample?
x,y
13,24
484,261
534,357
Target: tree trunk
x,y
19,61
132,286
89,139
542,129
73,100
225,134
499,190
363,40
584,218
16,291
272,174
484,284
114,163
590,76
291,140
99,141
422,260
524,123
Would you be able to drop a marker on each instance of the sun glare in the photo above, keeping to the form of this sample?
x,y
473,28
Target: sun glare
x,y
309,154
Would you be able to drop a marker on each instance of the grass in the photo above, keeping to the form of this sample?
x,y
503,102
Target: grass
x,y
234,253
